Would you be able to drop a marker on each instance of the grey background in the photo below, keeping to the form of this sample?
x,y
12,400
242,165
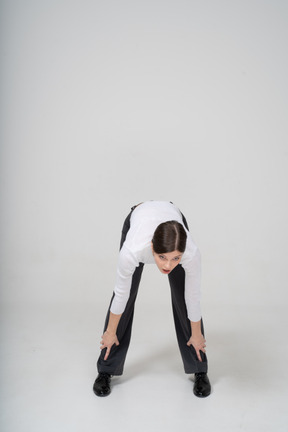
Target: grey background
x,y
105,104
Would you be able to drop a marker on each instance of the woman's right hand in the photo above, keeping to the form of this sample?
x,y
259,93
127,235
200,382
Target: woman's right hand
x,y
108,340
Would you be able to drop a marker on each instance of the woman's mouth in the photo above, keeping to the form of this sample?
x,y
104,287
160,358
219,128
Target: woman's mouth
x,y
166,271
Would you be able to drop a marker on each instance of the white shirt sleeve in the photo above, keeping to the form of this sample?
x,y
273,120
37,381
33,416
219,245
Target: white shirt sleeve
x,y
127,263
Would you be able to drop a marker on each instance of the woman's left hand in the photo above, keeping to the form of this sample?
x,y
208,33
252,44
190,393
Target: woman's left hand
x,y
199,344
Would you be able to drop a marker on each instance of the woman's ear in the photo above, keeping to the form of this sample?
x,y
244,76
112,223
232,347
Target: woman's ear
x,y
152,248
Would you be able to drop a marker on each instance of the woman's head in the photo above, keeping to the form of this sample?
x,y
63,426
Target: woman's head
x,y
168,245
168,237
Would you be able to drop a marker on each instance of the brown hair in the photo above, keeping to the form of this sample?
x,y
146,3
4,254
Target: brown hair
x,y
169,237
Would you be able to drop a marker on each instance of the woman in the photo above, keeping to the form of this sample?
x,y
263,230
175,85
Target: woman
x,y
155,232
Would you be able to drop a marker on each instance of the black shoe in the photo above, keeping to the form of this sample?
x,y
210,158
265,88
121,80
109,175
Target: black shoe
x,y
202,386
101,385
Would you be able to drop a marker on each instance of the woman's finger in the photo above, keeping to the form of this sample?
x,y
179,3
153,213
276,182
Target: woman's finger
x,y
199,356
107,354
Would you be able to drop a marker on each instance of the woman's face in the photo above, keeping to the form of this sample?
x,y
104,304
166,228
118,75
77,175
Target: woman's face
x,y
166,262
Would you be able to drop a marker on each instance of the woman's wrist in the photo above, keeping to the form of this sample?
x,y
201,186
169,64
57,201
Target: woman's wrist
x,y
196,328
111,332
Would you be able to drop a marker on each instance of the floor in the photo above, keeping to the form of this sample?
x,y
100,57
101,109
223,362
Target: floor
x,y
48,361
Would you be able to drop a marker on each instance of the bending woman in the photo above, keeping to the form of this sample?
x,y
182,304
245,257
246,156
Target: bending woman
x,y
155,232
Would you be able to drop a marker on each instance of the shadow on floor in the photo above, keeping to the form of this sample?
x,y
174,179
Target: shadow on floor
x,y
163,360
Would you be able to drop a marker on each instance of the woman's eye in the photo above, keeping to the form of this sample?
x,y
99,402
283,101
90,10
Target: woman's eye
x,y
161,257
177,258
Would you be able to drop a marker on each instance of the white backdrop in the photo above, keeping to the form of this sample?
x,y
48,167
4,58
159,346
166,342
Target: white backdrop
x,y
106,104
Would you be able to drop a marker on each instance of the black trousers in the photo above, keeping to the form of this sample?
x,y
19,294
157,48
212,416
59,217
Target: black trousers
x,y
114,365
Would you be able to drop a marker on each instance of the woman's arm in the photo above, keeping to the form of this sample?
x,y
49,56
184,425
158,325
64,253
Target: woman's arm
x,y
109,338
197,339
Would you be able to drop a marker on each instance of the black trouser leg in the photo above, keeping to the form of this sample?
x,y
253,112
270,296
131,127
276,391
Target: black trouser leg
x,y
115,363
182,323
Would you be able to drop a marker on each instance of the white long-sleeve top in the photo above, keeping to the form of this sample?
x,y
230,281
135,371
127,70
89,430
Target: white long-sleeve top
x,y
137,249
